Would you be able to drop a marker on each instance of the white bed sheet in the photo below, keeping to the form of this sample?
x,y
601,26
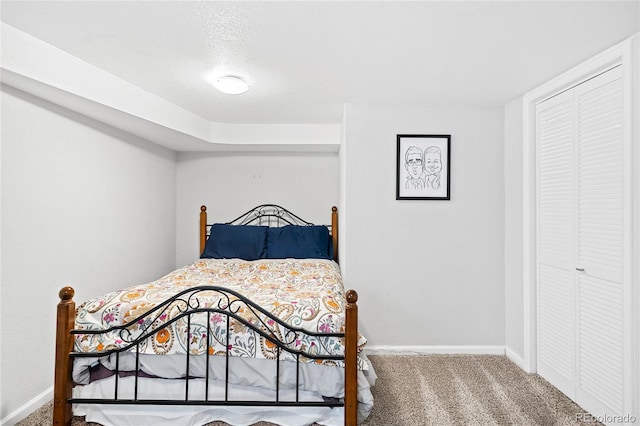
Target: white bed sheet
x,y
323,380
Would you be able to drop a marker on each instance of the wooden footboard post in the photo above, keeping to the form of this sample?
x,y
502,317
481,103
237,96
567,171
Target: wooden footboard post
x,y
64,344
203,227
351,360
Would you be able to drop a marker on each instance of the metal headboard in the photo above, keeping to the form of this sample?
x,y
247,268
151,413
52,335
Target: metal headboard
x,y
271,215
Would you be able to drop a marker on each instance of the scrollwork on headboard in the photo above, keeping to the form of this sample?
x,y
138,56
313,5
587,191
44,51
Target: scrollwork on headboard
x,y
269,215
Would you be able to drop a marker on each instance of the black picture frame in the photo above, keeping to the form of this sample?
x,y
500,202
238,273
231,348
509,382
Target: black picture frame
x,y
423,167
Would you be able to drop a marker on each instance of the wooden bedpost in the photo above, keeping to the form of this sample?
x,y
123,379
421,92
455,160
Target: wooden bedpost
x,y
64,344
334,231
203,227
351,360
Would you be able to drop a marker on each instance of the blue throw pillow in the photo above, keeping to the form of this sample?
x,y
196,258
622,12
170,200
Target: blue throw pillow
x,y
236,242
299,242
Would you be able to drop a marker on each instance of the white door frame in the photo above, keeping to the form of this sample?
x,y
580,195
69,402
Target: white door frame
x,y
627,55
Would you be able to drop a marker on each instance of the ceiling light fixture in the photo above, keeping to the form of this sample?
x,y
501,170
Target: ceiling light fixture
x,y
231,85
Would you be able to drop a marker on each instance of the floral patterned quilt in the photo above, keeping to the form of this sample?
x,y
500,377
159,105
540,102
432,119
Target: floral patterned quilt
x,y
304,293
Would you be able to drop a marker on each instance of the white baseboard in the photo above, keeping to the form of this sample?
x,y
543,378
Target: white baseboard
x,y
514,357
432,349
22,412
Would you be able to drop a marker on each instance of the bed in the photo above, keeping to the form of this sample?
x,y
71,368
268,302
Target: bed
x,y
258,329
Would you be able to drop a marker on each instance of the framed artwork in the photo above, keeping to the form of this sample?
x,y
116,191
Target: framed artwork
x,y
423,167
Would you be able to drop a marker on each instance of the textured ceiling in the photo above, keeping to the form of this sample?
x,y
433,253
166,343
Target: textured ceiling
x,y
305,59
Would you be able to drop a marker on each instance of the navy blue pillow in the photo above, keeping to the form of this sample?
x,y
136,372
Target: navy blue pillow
x,y
236,242
299,242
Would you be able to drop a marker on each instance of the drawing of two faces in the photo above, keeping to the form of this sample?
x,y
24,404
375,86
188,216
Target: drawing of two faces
x,y
423,167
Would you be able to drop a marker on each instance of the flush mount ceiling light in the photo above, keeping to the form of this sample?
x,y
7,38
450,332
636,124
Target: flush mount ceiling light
x,y
231,85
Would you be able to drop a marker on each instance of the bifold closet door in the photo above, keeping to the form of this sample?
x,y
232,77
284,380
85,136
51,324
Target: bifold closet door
x,y
583,196
556,289
602,176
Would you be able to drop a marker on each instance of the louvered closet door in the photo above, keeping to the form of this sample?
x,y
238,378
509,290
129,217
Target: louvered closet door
x,y
556,263
583,251
601,245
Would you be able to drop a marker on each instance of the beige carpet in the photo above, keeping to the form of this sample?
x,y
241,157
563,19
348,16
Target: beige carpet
x,y
443,390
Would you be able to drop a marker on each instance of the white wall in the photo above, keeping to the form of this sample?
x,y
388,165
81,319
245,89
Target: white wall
x,y
83,205
513,249
231,184
437,266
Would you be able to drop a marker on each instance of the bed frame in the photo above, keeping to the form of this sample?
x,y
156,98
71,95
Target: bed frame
x,y
267,214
